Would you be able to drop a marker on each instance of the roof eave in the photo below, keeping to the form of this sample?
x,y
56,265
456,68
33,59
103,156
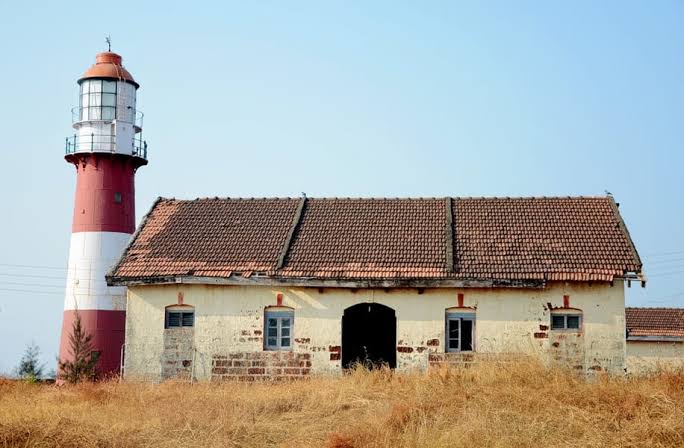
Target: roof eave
x,y
634,277
655,338
311,282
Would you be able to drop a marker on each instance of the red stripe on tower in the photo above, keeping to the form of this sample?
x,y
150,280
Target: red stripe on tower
x,y
106,149
105,194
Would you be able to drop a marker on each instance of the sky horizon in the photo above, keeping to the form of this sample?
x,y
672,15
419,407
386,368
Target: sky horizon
x,y
389,99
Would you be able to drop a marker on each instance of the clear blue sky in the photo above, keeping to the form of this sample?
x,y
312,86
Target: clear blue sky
x,y
347,99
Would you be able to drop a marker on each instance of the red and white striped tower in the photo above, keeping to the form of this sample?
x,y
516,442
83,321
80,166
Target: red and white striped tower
x,y
106,149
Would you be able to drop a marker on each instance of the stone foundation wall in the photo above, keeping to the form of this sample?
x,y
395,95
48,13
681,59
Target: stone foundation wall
x,y
178,353
252,366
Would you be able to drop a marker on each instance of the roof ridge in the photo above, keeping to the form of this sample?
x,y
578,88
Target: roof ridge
x,y
530,197
379,198
663,308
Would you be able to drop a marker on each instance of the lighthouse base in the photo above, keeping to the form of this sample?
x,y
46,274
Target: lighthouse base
x,y
107,328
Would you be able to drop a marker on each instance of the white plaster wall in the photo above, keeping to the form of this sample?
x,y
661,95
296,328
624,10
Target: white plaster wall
x,y
644,357
125,102
124,137
230,319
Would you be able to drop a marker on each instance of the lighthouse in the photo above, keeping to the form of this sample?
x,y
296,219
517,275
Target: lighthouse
x,y
106,149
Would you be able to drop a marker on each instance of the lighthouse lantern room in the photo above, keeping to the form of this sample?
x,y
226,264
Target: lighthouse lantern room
x,y
106,149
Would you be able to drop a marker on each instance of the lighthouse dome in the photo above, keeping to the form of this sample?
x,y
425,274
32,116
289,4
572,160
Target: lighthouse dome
x,y
108,66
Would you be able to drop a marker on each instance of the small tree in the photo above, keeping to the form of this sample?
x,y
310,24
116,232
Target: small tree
x,y
30,367
84,358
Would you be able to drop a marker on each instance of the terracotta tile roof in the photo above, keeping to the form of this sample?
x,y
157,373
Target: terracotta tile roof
x,y
370,238
208,237
547,238
654,322
580,238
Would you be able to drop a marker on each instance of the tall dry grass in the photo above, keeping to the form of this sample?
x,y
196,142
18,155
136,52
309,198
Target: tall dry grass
x,y
516,405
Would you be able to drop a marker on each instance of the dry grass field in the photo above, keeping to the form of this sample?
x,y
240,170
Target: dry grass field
x,y
520,405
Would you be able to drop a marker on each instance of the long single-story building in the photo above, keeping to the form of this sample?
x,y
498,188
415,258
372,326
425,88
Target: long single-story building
x,y
655,339
262,288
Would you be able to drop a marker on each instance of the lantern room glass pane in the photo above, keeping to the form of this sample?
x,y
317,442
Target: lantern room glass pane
x,y
95,99
108,113
98,100
108,99
94,113
109,86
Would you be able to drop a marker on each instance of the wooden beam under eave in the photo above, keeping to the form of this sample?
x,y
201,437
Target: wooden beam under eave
x,y
308,282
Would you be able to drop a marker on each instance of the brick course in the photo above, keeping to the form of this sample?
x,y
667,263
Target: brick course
x,y
252,366
464,359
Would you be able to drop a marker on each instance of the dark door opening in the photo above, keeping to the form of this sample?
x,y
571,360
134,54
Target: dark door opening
x,y
369,336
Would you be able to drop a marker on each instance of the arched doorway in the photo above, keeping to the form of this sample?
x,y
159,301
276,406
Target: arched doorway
x,y
369,335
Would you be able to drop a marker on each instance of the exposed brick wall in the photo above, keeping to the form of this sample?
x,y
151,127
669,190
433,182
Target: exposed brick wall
x,y
178,351
251,366
464,359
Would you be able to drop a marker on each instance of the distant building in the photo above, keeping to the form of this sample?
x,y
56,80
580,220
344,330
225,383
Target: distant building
x,y
253,288
655,338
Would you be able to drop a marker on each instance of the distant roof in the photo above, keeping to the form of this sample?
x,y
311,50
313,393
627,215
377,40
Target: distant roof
x,y
654,322
430,240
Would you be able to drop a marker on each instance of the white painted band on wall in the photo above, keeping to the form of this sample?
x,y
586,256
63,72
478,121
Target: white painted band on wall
x,y
91,256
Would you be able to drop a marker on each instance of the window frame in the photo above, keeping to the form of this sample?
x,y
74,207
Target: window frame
x,y
182,310
565,315
279,315
459,316
95,109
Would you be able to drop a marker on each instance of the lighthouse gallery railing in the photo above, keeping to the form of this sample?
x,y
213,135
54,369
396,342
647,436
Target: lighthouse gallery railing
x,y
103,143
